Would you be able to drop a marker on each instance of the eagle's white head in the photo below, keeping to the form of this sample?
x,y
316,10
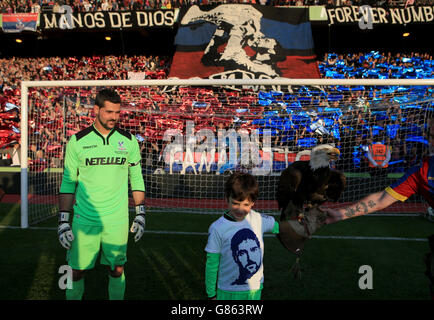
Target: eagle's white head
x,y
321,156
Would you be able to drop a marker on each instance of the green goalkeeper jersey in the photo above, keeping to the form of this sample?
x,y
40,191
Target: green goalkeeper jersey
x,y
96,170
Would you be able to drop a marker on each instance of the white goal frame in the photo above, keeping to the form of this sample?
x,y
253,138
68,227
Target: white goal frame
x,y
25,85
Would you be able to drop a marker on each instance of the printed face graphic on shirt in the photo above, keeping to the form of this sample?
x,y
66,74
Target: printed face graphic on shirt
x,y
246,251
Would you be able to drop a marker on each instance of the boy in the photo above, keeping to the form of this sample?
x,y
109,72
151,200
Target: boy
x,y
235,245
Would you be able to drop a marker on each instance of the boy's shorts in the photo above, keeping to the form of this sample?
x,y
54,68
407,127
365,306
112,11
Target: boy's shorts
x,y
239,295
89,240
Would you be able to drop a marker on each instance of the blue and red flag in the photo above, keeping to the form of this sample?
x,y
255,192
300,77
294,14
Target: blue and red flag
x,y
17,22
244,41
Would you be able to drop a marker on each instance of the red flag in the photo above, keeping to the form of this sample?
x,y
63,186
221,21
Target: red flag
x,y
409,3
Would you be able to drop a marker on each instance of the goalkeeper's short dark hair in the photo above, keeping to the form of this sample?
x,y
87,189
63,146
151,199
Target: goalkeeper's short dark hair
x,y
241,186
107,95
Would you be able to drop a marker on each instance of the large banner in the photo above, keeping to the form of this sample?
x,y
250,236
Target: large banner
x,y
242,41
89,21
17,22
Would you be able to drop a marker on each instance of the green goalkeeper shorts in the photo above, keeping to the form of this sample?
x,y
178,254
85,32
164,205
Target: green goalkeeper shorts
x,y
90,240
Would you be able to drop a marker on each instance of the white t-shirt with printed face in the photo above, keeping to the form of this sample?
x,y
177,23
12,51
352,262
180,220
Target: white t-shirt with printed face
x,y
241,246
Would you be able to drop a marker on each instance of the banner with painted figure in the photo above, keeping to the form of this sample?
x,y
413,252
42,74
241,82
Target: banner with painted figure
x,y
243,41
17,22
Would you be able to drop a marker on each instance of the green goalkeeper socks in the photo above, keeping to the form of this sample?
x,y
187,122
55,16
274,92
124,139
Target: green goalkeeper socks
x,y
76,293
116,287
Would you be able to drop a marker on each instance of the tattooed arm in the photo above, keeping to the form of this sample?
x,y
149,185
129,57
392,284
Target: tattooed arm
x,y
371,203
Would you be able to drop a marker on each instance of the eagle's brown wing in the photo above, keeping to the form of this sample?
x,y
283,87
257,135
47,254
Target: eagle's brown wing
x,y
287,186
336,185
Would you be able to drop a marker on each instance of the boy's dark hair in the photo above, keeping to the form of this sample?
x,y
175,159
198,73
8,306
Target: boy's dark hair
x,y
241,186
107,95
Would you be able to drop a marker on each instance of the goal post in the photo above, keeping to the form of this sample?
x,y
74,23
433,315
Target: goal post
x,y
199,130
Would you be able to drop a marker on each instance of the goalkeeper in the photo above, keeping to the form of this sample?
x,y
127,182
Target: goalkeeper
x,y
98,162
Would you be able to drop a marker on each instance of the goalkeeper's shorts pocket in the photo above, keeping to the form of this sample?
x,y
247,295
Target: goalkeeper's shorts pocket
x,y
85,247
114,245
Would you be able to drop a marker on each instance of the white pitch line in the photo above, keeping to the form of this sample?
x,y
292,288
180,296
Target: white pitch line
x,y
370,238
392,215
277,213
188,233
29,228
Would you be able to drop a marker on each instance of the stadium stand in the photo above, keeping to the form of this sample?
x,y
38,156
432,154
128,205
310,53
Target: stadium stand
x,y
34,6
291,118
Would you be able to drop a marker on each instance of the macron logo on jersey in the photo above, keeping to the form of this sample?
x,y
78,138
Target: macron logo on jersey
x,y
105,161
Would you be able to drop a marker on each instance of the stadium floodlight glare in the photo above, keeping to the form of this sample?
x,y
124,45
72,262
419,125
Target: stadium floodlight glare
x,y
406,34
188,176
18,40
108,38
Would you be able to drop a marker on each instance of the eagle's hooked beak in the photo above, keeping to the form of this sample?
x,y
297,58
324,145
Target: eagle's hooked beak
x,y
334,154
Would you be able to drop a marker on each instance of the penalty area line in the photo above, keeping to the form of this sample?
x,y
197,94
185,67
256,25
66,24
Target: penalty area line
x,y
188,233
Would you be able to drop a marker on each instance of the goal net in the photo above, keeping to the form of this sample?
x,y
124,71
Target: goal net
x,y
194,133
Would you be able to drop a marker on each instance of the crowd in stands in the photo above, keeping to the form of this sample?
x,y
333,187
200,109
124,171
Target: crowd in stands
x,y
38,6
376,65
349,118
14,70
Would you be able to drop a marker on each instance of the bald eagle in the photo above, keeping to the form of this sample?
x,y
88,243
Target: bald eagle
x,y
310,183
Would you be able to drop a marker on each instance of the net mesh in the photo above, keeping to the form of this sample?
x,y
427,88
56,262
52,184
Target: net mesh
x,y
191,138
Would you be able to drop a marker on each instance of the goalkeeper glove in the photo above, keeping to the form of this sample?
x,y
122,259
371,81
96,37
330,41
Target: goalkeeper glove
x,y
64,230
138,225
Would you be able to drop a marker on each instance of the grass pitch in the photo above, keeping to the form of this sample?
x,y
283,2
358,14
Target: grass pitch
x,y
168,263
